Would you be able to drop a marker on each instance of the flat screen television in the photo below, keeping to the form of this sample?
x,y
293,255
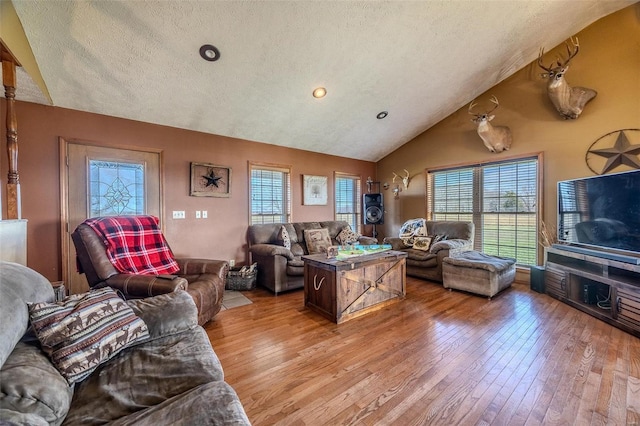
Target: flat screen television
x,y
601,213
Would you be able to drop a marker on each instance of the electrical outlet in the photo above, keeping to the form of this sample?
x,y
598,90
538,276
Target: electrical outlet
x,y
178,214
232,263
197,214
204,214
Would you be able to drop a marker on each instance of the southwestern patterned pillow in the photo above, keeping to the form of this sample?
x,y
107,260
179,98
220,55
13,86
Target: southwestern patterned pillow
x,y
85,330
347,236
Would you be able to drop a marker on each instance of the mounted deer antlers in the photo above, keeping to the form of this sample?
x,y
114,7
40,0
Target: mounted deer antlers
x,y
569,101
496,139
405,180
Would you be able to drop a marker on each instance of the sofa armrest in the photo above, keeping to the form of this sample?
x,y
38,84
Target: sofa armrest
x,y
396,243
136,286
166,314
203,266
453,246
367,241
271,250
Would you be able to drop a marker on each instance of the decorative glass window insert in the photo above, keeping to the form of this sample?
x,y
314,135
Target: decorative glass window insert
x,y
348,199
115,188
499,198
270,190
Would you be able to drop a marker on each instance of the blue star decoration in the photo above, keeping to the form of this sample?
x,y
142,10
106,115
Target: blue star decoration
x,y
212,179
622,152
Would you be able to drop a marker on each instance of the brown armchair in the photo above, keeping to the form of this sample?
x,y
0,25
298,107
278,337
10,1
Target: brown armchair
x,y
203,279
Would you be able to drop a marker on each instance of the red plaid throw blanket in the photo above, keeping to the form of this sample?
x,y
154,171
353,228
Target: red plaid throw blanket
x,y
135,244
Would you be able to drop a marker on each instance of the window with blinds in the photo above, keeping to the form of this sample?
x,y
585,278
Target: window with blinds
x,y
500,198
347,200
270,189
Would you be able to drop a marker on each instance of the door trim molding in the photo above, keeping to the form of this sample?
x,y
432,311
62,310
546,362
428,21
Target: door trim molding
x,y
64,190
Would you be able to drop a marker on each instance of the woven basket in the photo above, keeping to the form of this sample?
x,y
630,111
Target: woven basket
x,y
242,279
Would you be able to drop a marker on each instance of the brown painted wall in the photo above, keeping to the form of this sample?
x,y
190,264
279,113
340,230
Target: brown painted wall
x,y
608,62
221,236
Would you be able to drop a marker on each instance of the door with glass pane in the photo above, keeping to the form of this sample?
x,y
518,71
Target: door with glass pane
x,y
99,181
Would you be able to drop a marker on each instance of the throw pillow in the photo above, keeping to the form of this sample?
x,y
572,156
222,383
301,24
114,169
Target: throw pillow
x,y
85,330
347,236
283,238
422,243
317,240
425,243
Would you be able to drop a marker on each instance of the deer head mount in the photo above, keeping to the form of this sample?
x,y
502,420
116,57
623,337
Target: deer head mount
x,y
569,101
495,138
405,180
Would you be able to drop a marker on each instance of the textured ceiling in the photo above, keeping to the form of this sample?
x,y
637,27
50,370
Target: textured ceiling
x,y
419,60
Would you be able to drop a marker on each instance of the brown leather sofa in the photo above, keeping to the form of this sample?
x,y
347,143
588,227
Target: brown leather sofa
x,y
203,279
428,264
279,268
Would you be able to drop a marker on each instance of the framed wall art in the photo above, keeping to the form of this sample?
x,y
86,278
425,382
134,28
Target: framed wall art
x,y
210,180
314,190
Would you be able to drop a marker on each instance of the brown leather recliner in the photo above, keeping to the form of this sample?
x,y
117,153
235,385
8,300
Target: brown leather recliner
x,y
203,279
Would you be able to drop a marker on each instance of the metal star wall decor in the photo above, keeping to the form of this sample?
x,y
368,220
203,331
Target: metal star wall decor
x,y
210,180
617,148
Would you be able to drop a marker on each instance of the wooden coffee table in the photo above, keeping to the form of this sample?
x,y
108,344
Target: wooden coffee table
x,y
344,289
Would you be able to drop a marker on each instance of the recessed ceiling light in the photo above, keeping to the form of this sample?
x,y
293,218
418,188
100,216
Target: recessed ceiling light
x,y
209,53
320,92
382,115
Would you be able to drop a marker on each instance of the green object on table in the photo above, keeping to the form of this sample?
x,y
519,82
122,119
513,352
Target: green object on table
x,y
346,252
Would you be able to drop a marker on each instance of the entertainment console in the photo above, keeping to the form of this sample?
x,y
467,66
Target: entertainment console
x,y
605,288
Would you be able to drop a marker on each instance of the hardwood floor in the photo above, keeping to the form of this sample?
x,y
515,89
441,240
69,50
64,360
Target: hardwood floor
x,y
437,357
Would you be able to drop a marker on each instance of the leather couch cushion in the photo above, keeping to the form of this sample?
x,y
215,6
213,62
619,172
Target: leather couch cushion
x,y
14,295
478,260
419,255
166,314
144,376
31,385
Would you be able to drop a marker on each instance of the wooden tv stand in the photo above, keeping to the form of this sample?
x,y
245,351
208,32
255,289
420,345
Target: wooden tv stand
x,y
604,288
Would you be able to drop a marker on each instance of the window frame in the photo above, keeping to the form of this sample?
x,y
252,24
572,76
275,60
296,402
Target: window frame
x,y
286,196
357,199
477,214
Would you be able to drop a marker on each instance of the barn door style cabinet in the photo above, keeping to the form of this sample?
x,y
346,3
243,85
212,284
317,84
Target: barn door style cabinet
x,y
604,288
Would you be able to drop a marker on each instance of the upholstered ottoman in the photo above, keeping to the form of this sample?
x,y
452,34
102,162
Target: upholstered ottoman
x,y
478,273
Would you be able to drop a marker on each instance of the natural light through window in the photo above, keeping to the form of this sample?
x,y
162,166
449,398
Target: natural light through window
x,y
347,200
499,198
270,200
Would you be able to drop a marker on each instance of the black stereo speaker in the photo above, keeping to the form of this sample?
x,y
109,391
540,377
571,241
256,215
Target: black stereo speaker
x,y
372,209
536,279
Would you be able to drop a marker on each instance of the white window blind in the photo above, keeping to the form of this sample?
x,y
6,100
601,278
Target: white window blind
x,y
270,194
499,198
347,200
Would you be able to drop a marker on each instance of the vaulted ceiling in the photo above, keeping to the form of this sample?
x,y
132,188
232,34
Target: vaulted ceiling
x,y
418,60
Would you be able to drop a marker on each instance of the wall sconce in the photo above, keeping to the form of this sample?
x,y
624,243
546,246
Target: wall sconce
x,y
396,191
385,185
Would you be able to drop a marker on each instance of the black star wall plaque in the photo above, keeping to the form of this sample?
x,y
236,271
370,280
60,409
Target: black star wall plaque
x,y
210,180
617,148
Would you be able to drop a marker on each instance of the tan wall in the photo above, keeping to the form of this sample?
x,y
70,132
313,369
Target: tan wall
x,y
608,62
221,236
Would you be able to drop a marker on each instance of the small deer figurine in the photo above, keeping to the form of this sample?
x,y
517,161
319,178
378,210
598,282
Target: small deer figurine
x,y
495,138
569,101
405,179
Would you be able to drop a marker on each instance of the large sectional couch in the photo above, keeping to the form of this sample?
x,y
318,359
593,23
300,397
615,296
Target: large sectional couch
x,y
281,268
170,377
427,264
